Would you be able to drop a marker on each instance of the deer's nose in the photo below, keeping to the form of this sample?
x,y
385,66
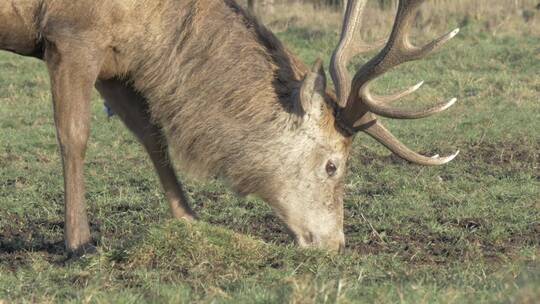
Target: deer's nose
x,y
334,241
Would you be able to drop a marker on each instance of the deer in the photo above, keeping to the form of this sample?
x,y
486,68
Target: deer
x,y
209,91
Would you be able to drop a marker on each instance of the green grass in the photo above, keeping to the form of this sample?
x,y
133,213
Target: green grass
x,y
465,232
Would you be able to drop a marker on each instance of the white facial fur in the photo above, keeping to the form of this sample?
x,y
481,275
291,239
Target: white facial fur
x,y
312,205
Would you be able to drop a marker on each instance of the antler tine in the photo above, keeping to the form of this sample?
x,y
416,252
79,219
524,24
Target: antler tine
x,y
379,105
397,51
348,46
382,135
361,104
397,96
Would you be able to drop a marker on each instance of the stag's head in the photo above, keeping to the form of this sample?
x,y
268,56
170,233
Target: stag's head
x,y
312,207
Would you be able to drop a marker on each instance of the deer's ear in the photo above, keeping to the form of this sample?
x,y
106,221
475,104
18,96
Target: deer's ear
x,y
313,90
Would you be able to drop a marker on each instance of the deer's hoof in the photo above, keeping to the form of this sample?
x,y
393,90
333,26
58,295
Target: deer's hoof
x,y
85,249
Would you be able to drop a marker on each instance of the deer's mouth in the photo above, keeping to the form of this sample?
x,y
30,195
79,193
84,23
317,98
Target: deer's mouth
x,y
333,242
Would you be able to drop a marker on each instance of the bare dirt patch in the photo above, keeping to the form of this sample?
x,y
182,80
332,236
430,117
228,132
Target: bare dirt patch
x,y
23,237
423,246
504,153
516,153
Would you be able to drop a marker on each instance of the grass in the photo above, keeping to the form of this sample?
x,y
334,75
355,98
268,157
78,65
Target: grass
x,y
465,232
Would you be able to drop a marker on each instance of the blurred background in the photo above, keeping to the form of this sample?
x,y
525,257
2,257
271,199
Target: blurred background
x,y
496,17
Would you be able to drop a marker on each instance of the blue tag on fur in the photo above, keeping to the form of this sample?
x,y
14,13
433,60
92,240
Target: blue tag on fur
x,y
108,111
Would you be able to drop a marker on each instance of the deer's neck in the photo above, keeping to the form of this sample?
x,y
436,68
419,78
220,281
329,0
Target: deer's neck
x,y
19,26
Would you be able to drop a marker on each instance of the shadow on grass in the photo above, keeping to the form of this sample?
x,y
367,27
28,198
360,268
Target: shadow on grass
x,y
45,238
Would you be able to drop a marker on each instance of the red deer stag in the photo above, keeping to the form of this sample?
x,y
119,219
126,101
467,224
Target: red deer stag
x,y
205,79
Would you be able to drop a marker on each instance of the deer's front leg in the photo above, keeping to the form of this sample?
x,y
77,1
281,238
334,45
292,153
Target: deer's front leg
x,y
73,72
132,108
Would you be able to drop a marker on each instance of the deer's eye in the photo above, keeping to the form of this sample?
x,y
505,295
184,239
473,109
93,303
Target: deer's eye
x,y
331,168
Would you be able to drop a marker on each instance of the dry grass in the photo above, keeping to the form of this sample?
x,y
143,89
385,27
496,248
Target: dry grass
x,y
494,17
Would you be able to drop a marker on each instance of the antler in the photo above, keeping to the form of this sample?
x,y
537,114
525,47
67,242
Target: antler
x,y
348,47
357,103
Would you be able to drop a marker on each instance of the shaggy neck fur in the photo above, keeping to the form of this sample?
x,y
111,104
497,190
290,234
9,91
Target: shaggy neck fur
x,y
222,87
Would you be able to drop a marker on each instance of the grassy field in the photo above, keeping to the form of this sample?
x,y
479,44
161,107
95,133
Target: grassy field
x,y
465,232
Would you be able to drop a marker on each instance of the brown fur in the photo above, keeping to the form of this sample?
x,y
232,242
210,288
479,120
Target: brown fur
x,y
206,79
